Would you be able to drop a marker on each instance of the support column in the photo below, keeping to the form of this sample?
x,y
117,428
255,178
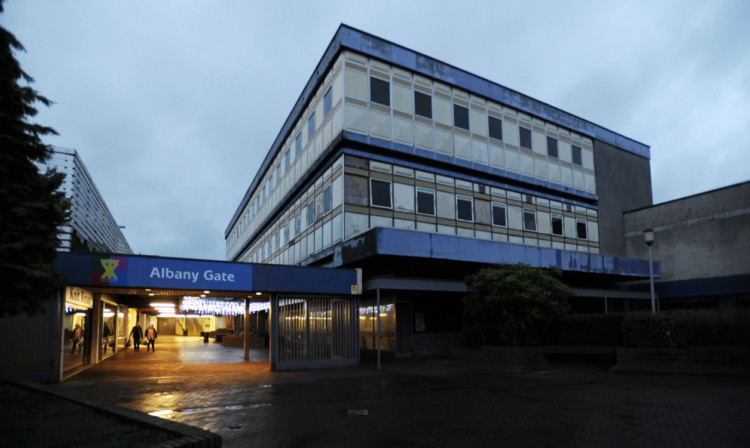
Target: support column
x,y
246,338
378,313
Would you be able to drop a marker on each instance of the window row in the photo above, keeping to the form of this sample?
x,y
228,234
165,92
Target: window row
x,y
300,218
384,86
381,194
380,94
313,130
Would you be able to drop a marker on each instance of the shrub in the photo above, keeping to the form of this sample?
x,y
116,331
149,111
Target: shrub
x,y
712,326
513,304
648,330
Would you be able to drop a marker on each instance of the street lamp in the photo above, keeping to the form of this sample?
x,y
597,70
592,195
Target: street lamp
x,y
648,238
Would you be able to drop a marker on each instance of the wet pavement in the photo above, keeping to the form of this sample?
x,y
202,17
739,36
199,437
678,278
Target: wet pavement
x,y
429,403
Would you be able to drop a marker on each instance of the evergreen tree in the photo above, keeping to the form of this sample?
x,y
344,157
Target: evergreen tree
x,y
31,207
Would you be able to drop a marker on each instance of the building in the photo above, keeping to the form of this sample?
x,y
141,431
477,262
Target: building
x,y
91,227
703,243
419,172
46,354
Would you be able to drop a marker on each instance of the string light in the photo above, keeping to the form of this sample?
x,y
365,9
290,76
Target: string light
x,y
199,305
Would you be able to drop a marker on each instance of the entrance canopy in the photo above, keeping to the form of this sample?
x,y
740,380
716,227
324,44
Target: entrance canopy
x,y
137,271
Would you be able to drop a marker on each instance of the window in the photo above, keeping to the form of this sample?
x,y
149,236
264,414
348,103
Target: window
x,y
425,201
529,220
460,117
310,213
557,225
270,183
298,145
380,193
423,105
327,200
263,194
286,233
278,173
311,126
552,147
499,217
287,160
581,229
525,137
327,103
298,224
577,159
496,128
464,208
380,91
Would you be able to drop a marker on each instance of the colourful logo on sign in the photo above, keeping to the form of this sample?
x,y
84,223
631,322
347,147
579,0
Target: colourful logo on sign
x,y
109,270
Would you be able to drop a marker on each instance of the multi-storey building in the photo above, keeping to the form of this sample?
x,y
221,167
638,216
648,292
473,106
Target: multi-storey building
x,y
420,172
91,227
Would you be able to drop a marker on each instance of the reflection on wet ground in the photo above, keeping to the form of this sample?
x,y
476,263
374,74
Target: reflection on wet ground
x,y
414,402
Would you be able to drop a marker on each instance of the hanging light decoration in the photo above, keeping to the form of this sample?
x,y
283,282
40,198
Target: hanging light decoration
x,y
198,305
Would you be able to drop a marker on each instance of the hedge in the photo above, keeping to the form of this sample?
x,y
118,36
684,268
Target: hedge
x,y
676,328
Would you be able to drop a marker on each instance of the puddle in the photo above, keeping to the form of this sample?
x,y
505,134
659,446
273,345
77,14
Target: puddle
x,y
168,413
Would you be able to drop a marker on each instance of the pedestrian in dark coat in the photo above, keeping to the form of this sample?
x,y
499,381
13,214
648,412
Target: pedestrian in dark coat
x,y
137,334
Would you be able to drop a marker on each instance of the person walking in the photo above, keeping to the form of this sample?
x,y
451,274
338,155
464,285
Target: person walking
x,y
77,336
137,334
150,338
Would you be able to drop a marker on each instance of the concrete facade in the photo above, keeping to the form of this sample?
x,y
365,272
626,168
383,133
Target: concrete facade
x,y
624,183
702,242
419,173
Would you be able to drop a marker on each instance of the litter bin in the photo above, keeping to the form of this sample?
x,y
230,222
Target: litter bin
x,y
205,337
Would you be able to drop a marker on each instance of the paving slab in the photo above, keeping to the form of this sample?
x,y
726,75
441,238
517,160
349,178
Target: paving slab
x,y
415,402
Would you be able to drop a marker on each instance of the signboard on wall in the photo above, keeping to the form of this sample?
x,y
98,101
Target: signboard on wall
x,y
80,297
153,272
137,271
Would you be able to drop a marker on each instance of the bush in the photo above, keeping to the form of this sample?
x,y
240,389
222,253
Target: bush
x,y
587,329
648,330
712,326
513,304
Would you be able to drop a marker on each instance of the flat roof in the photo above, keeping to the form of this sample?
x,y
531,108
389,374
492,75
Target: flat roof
x,y
347,37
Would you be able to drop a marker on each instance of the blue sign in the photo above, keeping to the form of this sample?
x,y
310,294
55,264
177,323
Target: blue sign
x,y
154,272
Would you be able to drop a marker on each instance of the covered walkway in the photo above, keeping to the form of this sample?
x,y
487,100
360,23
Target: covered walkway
x,y
180,356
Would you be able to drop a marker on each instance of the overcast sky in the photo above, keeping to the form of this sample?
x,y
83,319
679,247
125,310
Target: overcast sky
x,y
173,105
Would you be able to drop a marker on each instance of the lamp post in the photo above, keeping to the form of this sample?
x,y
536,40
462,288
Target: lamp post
x,y
648,238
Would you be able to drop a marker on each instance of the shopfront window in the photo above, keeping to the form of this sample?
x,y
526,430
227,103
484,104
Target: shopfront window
x,y
75,323
109,326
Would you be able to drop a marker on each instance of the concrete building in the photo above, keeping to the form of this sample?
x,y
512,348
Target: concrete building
x,y
419,172
703,244
40,345
91,227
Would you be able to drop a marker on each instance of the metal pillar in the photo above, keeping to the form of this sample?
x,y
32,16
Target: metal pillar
x,y
378,312
651,276
246,338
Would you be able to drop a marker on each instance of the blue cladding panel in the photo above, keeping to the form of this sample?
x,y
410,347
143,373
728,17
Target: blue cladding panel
x,y
295,279
716,286
409,243
157,272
